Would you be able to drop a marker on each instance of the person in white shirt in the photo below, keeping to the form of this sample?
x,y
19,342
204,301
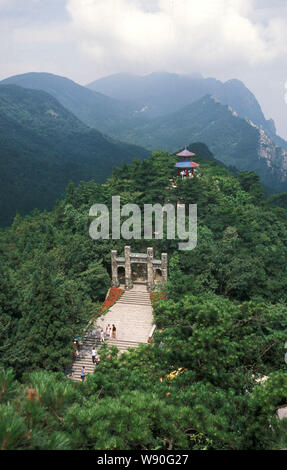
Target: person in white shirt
x,y
94,353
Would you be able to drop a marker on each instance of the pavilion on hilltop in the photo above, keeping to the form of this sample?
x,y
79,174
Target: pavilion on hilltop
x,y
186,165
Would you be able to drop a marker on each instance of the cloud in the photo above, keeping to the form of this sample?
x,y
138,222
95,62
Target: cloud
x,y
177,33
87,39
146,35
35,35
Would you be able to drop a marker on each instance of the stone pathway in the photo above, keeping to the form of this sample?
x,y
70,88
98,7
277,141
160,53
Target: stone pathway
x,y
133,318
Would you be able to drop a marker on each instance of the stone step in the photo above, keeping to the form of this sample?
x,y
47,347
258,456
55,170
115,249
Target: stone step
x,y
133,302
124,311
124,343
87,348
138,293
135,294
124,347
89,367
142,296
134,299
133,318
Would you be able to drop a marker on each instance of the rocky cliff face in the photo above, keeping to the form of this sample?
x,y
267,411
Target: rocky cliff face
x,y
274,157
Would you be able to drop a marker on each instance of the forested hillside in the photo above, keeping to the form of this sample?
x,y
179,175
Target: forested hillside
x,y
94,109
223,321
43,147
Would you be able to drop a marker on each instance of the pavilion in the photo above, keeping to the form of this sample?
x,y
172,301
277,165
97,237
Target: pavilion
x,y
185,162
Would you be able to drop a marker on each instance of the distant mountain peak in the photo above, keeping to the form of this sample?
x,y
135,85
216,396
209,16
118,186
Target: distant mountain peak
x,y
35,76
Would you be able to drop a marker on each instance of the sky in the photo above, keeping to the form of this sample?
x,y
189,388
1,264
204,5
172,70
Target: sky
x,y
87,39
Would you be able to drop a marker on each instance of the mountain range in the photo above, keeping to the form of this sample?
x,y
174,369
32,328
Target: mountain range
x,y
73,132
118,103
159,94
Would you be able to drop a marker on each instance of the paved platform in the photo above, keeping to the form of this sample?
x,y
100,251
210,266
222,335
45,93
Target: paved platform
x,y
133,318
131,315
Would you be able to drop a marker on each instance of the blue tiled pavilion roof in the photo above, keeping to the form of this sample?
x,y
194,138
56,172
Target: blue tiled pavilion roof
x,y
186,165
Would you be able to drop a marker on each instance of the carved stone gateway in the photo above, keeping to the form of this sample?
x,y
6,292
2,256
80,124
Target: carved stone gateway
x,y
125,262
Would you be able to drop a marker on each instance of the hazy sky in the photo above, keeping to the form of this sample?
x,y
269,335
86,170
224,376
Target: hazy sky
x,y
87,39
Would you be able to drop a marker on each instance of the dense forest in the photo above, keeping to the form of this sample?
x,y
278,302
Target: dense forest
x,y
222,321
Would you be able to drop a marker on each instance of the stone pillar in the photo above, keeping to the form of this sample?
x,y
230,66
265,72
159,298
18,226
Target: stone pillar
x,y
150,275
115,280
164,266
128,270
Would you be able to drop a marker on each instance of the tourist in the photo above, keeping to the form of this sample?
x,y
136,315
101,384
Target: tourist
x,y
76,348
102,336
97,359
83,373
114,332
94,352
108,331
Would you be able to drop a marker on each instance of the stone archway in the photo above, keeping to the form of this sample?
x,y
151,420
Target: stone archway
x,y
152,266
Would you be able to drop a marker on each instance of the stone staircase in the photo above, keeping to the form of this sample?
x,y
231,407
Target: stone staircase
x,y
85,357
136,297
133,318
